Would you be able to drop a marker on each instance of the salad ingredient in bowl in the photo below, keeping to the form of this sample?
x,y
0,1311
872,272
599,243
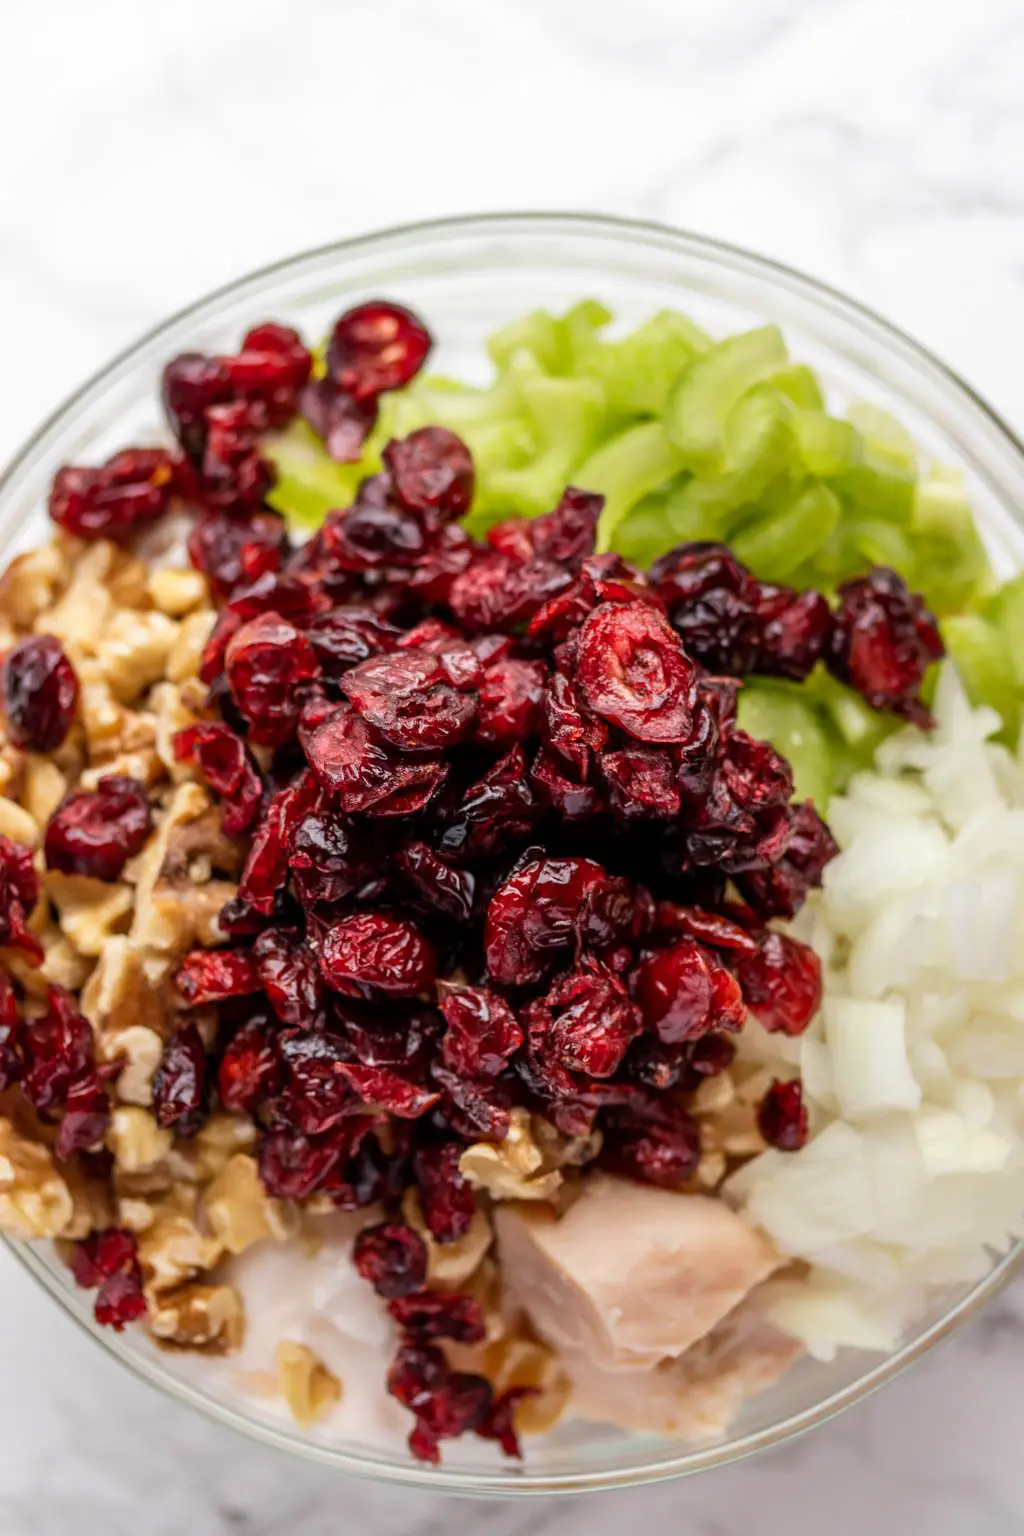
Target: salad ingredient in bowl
x,y
414,934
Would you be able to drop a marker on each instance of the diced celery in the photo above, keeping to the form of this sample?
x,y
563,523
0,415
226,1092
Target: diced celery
x,y
625,469
884,432
1006,612
536,333
700,403
786,717
308,484
881,543
645,532
979,652
638,371
800,385
757,445
884,477
775,546
825,445
566,416
859,726
576,330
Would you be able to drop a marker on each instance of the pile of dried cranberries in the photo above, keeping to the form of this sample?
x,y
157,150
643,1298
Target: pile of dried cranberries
x,y
505,843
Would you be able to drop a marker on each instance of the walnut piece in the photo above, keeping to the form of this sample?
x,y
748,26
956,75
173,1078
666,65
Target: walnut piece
x,y
136,1140
133,651
511,1169
309,1388
238,1210
17,824
176,591
207,1319
35,1200
172,1249
83,613
449,1265
43,787
31,583
519,1361
91,911
186,653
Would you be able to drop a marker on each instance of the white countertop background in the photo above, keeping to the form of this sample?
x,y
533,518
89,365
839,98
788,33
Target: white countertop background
x,y
149,152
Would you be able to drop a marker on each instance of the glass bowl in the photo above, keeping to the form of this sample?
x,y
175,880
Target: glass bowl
x,y
467,276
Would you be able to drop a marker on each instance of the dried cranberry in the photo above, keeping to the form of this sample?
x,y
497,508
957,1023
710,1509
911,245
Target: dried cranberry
x,y
120,1301
191,383
482,1031
499,1422
102,1254
684,992
534,914
266,660
435,887
565,535
406,697
179,1083
445,1194
58,1049
755,774
10,1034
372,954
569,728
86,1116
781,983
495,592
227,768
588,1021
40,693
19,891
555,787
95,832
493,812
382,1089
510,698
129,492
782,1116
348,635
343,422
660,1148
432,474
211,975
710,928
272,366
327,858
781,889
712,601
794,630
883,640
438,1315
472,1107
293,1166
361,773
393,1258
641,782
375,347
231,552
633,671
248,1067
318,1096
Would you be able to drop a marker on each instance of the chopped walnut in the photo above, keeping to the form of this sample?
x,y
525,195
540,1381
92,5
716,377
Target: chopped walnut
x,y
133,651
519,1361
186,654
207,1319
128,1016
164,924
136,1140
128,581
31,583
177,591
238,1209
714,1095
43,787
12,769
81,616
62,964
449,1265
18,824
220,1139
91,911
35,1200
511,1169
171,715
309,1388
172,1249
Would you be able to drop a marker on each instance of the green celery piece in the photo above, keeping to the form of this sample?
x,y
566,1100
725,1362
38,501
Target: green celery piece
x,y
952,565
700,403
645,532
882,431
796,727
637,372
1005,610
861,728
536,333
883,479
825,445
625,469
978,651
881,543
800,385
567,416
576,330
776,546
757,444
308,484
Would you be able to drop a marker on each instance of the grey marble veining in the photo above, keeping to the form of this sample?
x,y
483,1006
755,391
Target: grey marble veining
x,y
151,152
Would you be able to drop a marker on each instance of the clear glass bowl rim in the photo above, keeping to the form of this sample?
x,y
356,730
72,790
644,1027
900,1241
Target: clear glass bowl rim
x,y
741,262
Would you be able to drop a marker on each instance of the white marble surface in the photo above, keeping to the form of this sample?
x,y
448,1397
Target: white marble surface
x,y
153,151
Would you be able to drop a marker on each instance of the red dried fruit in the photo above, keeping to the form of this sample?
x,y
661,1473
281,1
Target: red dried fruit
x,y
436,888
472,1107
495,811
710,1055
40,693
567,534
19,891
95,832
380,1088
642,783
266,865
589,1021
361,773
58,1049
781,889
393,1258
343,422
103,1254
327,858
755,774
228,769
248,1068
179,1083
882,643
406,697
633,671
211,975
416,1370
712,602
781,983
10,1034
482,1033
495,592
533,915
510,697
684,992
376,347
446,1197
794,630
232,552
190,384
266,660
318,1096
372,954
556,788
782,1116
569,728
348,635
293,1166
129,492
86,1116
499,1422
432,474
660,1147
120,1301
436,1314
272,366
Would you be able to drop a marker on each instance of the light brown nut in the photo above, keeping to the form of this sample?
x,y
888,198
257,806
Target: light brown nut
x,y
449,1265
711,1169
31,584
173,1249
714,1095
309,1388
128,581
136,1140
171,715
134,1214
561,1151
103,719
177,590
186,654
133,650
511,1169
18,825
144,764
119,999
162,928
35,1200
221,1138
12,769
206,1319
82,614
62,964
519,1361
91,911
238,1210
43,787
141,1050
